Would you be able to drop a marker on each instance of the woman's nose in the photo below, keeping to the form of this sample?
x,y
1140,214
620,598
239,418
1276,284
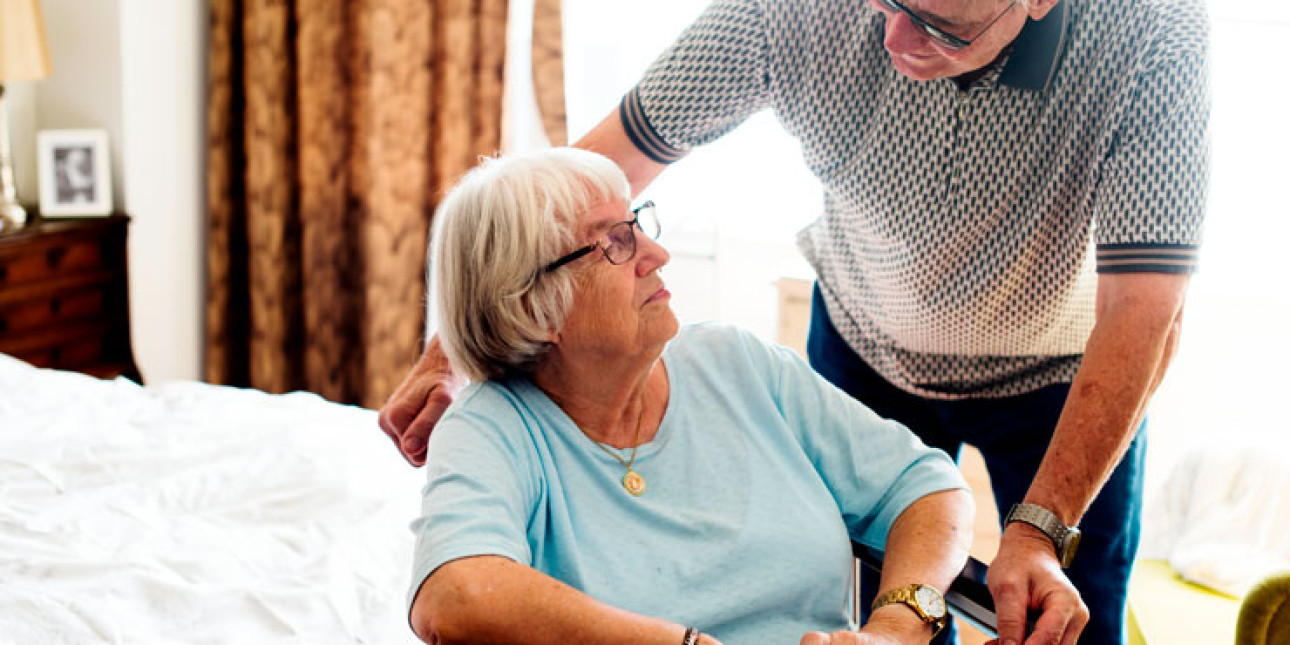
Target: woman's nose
x,y
652,254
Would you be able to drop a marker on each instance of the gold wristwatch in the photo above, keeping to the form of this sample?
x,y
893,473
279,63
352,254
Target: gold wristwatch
x,y
925,600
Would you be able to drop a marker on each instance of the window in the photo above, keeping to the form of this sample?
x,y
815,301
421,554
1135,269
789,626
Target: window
x,y
1229,371
729,224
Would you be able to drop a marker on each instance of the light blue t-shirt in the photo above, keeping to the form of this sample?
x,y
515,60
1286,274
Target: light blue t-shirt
x,y
757,479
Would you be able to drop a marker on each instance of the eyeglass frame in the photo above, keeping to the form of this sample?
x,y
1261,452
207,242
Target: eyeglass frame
x,y
633,225
938,35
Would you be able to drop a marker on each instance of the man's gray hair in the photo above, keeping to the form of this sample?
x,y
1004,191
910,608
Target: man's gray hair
x,y
503,221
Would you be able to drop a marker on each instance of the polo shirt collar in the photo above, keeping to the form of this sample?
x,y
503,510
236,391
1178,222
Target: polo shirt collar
x,y
1037,51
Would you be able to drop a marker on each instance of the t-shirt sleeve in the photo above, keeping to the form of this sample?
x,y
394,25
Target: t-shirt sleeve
x,y
874,467
480,489
708,82
1150,204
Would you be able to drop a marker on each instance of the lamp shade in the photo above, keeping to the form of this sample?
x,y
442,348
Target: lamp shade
x,y
23,54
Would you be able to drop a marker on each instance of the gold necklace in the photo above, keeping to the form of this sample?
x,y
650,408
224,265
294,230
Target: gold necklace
x,y
632,480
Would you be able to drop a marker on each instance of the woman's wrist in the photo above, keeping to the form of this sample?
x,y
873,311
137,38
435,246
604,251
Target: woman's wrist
x,y
704,639
900,622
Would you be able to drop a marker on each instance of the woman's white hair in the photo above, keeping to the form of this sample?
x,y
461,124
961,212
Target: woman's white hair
x,y
503,221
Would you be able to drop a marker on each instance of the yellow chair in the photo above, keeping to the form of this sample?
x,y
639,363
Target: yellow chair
x,y
1164,609
1265,613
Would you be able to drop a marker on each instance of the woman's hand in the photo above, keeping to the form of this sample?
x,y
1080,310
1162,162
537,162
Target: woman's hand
x,y
891,625
857,638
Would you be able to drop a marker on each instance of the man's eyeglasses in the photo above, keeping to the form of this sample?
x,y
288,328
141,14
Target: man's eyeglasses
x,y
936,34
619,242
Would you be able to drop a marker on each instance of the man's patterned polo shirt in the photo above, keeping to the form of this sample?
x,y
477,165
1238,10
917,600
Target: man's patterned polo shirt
x,y
963,229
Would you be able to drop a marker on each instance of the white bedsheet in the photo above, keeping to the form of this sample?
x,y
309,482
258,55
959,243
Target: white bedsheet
x,y
189,513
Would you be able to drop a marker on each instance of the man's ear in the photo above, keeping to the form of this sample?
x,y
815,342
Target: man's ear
x,y
1040,8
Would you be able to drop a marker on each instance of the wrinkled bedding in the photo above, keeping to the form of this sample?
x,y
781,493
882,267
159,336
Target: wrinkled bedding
x,y
190,513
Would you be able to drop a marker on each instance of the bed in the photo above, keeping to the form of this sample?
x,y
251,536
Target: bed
x,y
191,513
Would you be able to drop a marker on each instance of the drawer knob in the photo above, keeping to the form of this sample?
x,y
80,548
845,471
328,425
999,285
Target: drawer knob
x,y
54,256
55,305
4,272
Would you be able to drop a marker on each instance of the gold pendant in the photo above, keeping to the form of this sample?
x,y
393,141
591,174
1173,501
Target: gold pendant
x,y
633,482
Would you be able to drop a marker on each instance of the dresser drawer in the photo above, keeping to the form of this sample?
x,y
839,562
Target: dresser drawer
x,y
45,310
83,351
67,346
53,258
64,295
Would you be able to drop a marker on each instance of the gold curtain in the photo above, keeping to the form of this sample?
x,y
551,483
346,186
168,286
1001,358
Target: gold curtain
x,y
548,69
334,126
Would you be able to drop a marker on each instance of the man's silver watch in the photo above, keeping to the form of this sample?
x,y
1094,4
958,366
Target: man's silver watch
x,y
1065,538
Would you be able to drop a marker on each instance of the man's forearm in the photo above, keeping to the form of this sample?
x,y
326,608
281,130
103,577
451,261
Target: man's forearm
x,y
610,139
1125,359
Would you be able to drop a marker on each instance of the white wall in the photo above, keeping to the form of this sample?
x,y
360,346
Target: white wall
x,y
20,101
135,68
84,88
163,74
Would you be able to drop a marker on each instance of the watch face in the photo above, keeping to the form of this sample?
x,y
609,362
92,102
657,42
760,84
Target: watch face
x,y
930,600
1070,544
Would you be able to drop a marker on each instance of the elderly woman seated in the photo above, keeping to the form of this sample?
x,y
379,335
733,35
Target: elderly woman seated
x,y
611,477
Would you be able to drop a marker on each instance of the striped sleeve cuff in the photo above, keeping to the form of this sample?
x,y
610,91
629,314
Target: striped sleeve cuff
x,y
642,133
1147,258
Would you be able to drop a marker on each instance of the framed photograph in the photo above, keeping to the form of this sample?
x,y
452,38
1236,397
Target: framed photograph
x,y
73,170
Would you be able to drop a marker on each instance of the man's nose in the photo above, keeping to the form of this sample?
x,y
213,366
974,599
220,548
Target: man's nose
x,y
903,36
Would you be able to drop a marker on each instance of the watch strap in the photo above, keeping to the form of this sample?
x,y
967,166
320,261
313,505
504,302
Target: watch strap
x,y
1065,538
906,595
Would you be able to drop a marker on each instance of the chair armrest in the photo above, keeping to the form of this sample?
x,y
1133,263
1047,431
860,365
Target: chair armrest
x,y
968,598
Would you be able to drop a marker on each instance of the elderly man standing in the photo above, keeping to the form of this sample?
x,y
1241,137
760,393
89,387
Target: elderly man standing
x,y
1014,192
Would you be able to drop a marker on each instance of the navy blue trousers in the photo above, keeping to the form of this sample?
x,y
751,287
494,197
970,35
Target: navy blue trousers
x,y
1012,434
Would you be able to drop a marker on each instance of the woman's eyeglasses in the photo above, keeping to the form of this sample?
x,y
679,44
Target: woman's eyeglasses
x,y
936,34
619,242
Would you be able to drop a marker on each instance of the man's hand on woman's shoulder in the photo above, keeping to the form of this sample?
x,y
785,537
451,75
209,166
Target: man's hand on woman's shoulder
x,y
410,414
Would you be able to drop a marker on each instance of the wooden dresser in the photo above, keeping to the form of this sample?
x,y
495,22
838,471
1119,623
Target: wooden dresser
x,y
64,297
